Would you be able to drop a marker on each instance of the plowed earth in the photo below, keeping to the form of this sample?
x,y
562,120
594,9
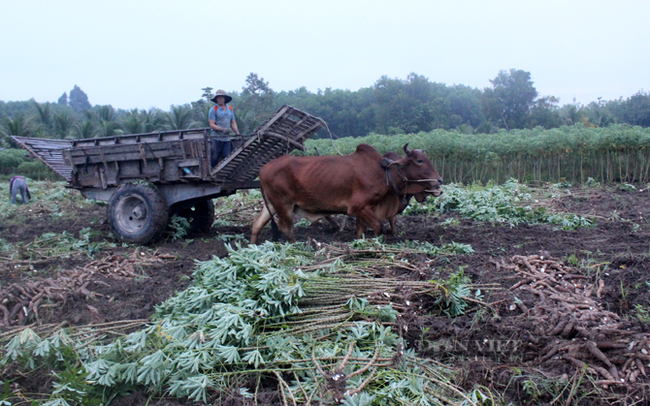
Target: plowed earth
x,y
573,306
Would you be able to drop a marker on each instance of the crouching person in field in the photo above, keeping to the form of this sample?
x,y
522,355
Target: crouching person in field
x,y
19,184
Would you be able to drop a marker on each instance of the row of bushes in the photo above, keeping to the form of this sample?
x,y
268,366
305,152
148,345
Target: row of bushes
x,y
619,153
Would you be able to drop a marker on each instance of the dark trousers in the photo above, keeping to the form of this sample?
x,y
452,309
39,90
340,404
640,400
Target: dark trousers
x,y
219,150
19,186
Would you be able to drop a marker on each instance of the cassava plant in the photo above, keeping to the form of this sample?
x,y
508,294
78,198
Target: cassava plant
x,y
312,319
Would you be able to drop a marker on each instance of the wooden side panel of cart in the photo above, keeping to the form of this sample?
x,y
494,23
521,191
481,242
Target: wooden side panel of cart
x,y
156,162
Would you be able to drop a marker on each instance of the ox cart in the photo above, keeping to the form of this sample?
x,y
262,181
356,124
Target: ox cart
x,y
146,178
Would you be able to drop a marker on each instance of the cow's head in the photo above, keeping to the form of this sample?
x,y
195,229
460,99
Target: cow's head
x,y
421,177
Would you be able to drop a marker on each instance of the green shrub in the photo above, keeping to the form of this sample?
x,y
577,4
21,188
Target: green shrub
x,y
19,162
10,159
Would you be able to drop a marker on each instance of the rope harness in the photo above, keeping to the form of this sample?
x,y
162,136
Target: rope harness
x,y
390,180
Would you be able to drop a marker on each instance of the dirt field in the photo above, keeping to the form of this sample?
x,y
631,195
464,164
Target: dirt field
x,y
530,345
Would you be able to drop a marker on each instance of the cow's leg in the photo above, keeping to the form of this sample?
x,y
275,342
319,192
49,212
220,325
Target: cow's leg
x,y
393,225
284,212
366,217
333,224
260,221
285,223
275,232
360,228
344,223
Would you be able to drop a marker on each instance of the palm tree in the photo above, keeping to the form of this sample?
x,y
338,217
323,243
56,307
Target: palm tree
x,y
152,120
105,113
108,129
132,122
84,129
106,122
179,118
201,112
63,125
45,116
572,113
20,125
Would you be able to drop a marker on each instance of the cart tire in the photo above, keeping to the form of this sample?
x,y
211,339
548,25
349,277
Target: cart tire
x,y
138,213
200,215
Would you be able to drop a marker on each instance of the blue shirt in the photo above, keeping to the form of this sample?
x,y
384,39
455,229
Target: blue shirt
x,y
222,119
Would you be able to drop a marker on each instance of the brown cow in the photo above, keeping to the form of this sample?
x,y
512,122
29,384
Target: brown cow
x,y
355,184
387,209
393,204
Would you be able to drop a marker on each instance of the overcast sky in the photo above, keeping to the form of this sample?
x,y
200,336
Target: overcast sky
x,y
143,54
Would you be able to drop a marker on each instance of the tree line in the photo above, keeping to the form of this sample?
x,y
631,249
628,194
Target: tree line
x,y
390,107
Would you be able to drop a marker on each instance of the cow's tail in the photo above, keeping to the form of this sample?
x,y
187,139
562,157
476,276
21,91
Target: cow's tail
x,y
275,231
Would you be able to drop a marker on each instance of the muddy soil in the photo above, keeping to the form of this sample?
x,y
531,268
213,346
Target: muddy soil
x,y
499,347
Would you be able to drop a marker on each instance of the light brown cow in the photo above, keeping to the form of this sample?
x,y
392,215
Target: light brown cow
x,y
354,184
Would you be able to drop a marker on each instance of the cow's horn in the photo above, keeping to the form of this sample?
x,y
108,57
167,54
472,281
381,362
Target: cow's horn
x,y
408,150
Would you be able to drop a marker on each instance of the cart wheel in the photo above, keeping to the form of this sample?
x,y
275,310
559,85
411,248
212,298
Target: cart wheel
x,y
200,215
137,213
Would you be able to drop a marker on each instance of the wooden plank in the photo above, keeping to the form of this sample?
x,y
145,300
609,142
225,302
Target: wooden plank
x,y
284,139
283,110
126,148
174,135
143,155
188,162
48,151
295,126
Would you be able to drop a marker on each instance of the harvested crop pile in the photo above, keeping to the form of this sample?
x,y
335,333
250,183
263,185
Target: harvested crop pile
x,y
20,300
584,333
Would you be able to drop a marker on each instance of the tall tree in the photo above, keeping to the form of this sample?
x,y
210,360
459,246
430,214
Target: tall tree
x,y
509,101
63,100
545,113
78,100
465,103
207,94
411,106
637,109
573,113
256,103
598,113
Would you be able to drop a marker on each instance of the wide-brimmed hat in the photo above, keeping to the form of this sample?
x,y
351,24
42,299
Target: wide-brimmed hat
x,y
221,93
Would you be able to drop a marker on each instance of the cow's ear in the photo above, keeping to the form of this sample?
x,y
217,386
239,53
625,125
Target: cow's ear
x,y
400,163
385,162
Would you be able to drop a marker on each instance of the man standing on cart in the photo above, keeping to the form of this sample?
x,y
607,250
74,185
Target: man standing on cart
x,y
222,121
